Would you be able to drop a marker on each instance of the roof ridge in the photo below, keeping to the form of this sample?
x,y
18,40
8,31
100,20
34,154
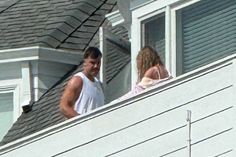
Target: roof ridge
x,y
102,3
7,4
73,19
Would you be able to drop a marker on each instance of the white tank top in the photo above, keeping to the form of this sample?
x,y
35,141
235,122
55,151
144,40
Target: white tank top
x,y
91,95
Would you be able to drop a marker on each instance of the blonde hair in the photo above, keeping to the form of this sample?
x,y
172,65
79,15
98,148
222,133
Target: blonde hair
x,y
147,58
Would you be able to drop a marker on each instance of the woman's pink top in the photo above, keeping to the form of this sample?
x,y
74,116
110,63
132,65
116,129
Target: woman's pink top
x,y
146,83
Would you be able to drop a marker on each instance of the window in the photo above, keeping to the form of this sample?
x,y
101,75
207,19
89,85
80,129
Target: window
x,y
153,34
9,104
6,112
205,32
186,34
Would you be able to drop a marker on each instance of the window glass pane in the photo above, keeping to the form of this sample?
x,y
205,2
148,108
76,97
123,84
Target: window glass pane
x,y
6,113
206,31
154,34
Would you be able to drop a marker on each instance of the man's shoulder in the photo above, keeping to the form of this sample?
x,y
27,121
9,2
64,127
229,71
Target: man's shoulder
x,y
79,74
76,79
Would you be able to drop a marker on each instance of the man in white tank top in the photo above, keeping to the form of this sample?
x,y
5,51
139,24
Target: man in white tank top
x,y
84,92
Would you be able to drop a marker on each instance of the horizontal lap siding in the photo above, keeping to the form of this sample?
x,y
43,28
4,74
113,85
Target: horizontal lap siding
x,y
154,124
209,32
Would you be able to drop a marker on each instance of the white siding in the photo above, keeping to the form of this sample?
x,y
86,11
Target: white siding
x,y
152,123
10,71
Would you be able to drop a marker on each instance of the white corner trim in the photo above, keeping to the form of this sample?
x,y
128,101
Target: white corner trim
x,y
26,83
168,40
103,49
115,18
135,47
173,45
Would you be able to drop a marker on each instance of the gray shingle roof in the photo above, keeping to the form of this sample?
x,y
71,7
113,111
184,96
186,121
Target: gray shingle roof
x,y
5,4
64,24
47,26
45,112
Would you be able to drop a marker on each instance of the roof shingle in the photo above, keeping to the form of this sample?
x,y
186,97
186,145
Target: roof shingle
x,y
50,23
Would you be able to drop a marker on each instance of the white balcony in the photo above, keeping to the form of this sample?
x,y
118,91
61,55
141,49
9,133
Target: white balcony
x,y
152,123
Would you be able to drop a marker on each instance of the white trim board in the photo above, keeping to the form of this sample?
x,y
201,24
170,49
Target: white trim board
x,y
40,53
115,18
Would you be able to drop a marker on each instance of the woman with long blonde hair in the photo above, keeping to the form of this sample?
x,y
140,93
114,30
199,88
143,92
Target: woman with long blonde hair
x,y
150,68
151,71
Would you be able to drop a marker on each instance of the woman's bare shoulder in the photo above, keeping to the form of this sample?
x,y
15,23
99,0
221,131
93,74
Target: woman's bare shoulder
x,y
151,73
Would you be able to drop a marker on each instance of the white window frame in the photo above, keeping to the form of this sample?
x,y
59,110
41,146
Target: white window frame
x,y
12,86
148,18
147,11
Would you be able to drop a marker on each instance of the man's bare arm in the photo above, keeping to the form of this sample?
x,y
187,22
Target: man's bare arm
x,y
70,95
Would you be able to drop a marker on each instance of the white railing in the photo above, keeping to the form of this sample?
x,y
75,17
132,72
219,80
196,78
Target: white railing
x,y
152,123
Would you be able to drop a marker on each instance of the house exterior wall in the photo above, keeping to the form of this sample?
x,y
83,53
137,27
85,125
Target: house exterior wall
x,y
42,75
10,71
206,32
10,95
139,127
36,68
45,74
119,85
11,82
197,32
151,124
26,73
115,71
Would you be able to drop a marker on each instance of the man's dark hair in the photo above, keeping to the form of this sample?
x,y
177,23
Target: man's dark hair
x,y
92,52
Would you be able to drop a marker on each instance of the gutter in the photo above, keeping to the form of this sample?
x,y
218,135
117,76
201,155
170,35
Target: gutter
x,y
40,53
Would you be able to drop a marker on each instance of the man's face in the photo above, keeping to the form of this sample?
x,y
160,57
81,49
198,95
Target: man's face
x,y
92,66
